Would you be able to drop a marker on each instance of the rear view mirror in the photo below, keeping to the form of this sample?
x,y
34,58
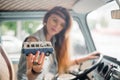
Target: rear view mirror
x,y
115,14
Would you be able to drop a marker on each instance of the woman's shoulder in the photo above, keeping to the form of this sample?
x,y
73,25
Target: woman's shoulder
x,y
39,34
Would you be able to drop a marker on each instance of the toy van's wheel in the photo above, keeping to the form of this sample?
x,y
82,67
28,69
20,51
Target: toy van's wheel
x,y
47,53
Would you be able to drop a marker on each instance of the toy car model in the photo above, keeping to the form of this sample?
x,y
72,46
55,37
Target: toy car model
x,y
33,47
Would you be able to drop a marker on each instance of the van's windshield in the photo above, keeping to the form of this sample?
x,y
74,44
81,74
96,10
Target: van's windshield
x,y
105,30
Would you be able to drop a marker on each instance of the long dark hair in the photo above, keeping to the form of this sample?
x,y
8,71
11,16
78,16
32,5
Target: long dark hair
x,y
62,38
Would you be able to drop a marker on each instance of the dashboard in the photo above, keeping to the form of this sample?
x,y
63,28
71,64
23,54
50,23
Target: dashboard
x,y
108,69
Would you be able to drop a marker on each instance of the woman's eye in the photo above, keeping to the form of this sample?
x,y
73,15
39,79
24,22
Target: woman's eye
x,y
55,20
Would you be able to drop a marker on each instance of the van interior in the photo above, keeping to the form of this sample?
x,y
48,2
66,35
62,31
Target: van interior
x,y
95,27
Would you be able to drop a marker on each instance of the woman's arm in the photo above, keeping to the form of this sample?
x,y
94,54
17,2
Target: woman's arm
x,y
31,75
90,56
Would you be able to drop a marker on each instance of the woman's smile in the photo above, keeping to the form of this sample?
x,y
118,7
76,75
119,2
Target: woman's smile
x,y
54,30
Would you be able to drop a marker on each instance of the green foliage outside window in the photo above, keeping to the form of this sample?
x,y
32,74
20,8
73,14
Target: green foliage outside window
x,y
28,27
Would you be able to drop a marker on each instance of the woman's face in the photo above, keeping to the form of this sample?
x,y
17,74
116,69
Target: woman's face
x,y
55,24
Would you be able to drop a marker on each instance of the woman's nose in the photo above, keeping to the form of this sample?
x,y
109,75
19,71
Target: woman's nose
x,y
57,26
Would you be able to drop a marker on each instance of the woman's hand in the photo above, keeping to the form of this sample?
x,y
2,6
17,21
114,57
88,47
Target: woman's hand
x,y
93,55
90,56
35,62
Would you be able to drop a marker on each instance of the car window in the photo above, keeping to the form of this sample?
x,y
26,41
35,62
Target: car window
x,y
14,32
105,30
78,46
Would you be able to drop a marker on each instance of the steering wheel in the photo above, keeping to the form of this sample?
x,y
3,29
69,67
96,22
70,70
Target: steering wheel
x,y
81,75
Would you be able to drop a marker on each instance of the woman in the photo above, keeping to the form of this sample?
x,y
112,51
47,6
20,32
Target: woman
x,y
57,25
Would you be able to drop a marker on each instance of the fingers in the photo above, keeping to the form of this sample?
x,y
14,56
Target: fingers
x,y
32,59
41,58
35,61
36,56
38,67
29,60
95,53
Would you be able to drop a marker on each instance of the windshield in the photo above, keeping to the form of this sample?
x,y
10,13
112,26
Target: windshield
x,y
105,30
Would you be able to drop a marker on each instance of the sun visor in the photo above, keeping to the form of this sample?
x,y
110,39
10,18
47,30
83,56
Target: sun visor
x,y
85,6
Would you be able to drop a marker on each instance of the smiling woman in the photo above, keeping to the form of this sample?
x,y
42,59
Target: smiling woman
x,y
56,29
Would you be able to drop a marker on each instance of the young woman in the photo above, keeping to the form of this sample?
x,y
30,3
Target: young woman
x,y
57,24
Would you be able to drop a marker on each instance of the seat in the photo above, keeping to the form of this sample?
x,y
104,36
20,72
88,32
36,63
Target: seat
x,y
6,66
